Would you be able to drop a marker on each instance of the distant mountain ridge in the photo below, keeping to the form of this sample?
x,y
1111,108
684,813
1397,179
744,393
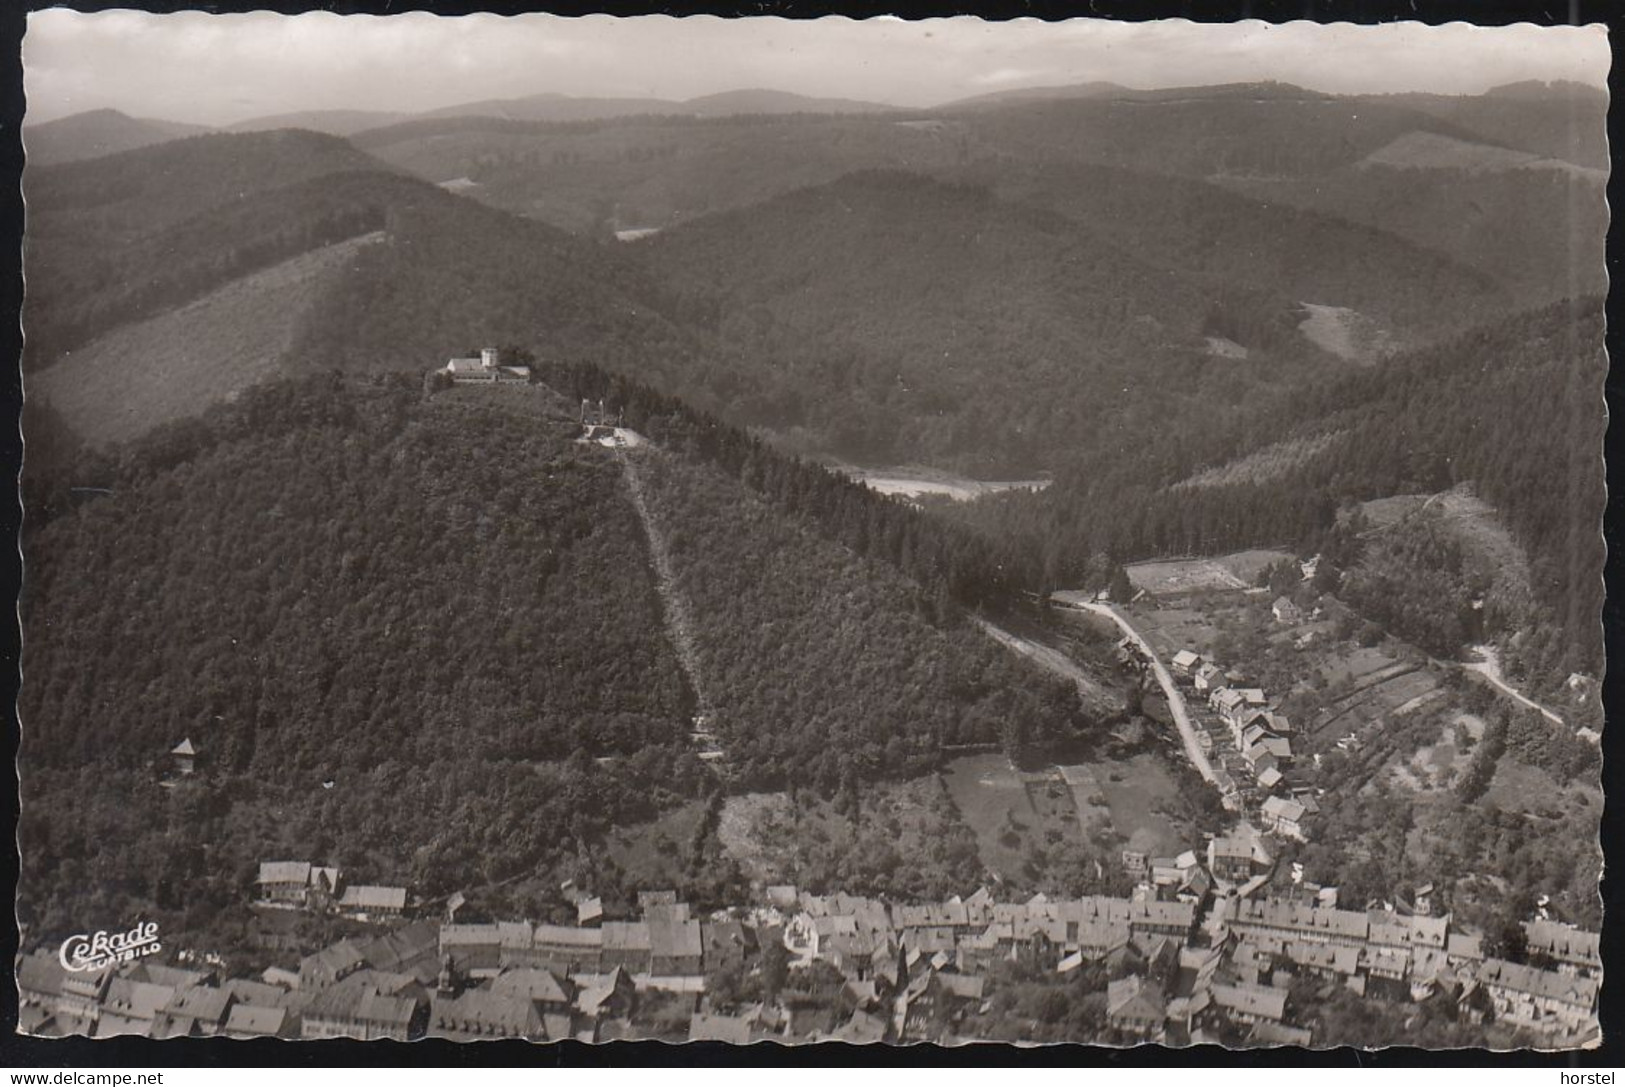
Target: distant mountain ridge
x,y
127,236
334,122
100,132
564,107
1096,89
96,133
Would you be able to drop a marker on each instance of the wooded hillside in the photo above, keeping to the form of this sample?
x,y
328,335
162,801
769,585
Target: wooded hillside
x,y
397,633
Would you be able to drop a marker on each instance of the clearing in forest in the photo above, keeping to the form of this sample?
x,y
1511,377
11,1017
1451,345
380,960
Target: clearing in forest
x,y
178,364
1262,465
1225,572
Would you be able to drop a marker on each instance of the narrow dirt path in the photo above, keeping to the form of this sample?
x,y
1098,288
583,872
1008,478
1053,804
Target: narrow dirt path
x,y
1489,666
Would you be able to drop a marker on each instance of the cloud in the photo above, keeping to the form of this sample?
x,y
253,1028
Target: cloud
x,y
217,69
1003,76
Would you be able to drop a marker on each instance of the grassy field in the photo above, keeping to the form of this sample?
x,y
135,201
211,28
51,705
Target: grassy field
x,y
1374,704
1226,572
1136,791
1346,333
175,365
915,481
994,799
1120,802
1519,787
1352,664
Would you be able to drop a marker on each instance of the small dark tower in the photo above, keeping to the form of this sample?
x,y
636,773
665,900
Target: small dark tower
x,y
447,983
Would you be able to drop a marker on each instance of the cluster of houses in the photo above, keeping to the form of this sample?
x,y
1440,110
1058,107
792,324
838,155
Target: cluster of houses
x,y
1261,737
321,889
1184,967
1419,952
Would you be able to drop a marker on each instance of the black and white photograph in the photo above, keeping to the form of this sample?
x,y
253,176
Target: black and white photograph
x,y
695,529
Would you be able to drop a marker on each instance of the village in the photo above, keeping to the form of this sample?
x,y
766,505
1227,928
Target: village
x,y
1219,943
1193,955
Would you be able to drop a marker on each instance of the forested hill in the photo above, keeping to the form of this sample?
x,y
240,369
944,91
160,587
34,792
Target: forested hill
x,y
154,303
651,171
890,315
95,133
401,627
122,196
1514,410
452,274
127,236
396,635
1414,293
994,323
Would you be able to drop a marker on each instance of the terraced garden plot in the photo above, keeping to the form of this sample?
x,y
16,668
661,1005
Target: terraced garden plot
x,y
1378,704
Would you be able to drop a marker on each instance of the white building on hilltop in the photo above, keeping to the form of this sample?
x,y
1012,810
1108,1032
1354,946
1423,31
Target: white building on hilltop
x,y
486,370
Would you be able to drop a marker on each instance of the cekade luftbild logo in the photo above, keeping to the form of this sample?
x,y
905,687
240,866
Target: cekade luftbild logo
x,y
82,953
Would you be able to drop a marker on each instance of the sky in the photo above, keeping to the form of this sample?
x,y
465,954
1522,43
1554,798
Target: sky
x,y
218,69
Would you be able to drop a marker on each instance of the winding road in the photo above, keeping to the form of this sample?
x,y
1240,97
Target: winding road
x,y
1489,666
1176,701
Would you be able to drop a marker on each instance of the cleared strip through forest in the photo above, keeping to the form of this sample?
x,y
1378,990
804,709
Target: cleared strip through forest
x,y
679,625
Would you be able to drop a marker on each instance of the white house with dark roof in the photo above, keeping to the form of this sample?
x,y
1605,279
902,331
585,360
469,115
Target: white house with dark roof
x,y
283,881
1284,817
1285,611
486,370
1209,677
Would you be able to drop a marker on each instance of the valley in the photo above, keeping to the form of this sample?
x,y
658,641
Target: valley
x,y
915,482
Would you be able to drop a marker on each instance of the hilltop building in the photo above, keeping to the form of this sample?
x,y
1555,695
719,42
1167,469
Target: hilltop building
x,y
486,370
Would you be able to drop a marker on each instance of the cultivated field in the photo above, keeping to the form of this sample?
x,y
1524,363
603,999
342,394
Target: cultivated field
x,y
1117,801
1227,572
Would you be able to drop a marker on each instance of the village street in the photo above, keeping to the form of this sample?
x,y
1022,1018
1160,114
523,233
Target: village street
x,y
1176,701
